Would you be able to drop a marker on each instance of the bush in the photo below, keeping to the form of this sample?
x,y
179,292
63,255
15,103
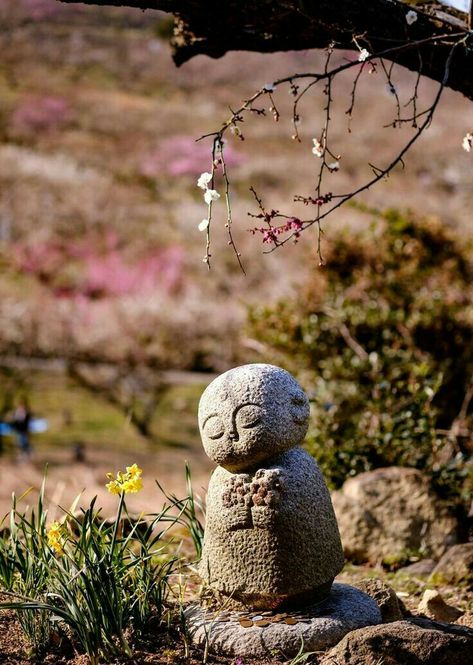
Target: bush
x,y
382,341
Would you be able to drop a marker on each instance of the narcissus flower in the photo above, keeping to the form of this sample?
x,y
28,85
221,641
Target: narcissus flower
x,y
55,538
128,482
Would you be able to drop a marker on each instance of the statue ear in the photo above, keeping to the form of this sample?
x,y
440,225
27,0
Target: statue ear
x,y
299,408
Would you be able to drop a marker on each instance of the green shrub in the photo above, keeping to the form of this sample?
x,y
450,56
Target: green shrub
x,y
382,339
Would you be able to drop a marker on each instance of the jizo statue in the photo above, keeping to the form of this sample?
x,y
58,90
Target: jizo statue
x,y
271,536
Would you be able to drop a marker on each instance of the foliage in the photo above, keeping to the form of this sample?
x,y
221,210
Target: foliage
x,y
90,579
382,340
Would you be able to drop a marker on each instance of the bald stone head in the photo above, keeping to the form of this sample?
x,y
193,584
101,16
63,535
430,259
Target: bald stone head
x,y
252,413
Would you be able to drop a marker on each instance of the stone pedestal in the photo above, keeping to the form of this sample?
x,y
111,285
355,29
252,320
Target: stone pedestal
x,y
279,634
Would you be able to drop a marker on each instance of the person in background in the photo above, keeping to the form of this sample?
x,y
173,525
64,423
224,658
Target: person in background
x,y
21,424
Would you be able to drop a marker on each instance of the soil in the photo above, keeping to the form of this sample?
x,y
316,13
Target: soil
x,y
157,647
165,646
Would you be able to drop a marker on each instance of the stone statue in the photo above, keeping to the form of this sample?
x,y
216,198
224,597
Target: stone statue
x,y
271,537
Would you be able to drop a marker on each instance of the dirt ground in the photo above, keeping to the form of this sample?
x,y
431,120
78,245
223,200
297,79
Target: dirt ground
x,y
161,646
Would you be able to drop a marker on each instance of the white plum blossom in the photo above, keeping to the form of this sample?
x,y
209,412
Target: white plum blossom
x,y
268,87
203,225
318,149
411,17
333,166
211,195
467,142
204,179
364,55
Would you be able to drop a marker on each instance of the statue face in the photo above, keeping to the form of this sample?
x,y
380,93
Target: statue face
x,y
252,413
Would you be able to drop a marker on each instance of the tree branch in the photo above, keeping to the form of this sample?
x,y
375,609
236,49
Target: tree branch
x,y
214,27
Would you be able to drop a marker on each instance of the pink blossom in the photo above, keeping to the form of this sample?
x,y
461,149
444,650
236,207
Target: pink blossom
x,y
83,269
40,114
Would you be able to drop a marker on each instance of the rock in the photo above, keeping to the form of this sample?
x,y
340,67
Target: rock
x,y
316,627
390,606
388,514
408,642
466,620
433,605
271,537
455,567
420,569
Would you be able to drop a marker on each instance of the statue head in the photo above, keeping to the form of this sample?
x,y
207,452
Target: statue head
x,y
252,413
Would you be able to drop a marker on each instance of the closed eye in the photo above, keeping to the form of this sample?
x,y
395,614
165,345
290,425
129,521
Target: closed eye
x,y
249,415
217,435
253,423
213,427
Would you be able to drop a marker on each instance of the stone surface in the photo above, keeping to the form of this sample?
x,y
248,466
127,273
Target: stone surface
x,y
252,413
455,567
317,627
384,596
409,642
466,620
388,514
271,537
433,605
268,553
420,569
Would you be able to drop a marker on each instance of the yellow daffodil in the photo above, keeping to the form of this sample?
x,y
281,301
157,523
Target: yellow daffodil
x,y
55,537
128,482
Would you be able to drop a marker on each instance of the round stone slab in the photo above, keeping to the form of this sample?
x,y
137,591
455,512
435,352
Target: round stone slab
x,y
314,628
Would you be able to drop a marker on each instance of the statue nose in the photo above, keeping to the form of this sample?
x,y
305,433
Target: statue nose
x,y
233,434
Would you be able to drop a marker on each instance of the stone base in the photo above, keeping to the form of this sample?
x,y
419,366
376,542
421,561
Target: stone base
x,y
283,634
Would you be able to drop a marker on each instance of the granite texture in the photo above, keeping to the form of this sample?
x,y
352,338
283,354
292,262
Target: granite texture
x,y
252,413
315,628
414,641
455,567
390,606
384,513
271,536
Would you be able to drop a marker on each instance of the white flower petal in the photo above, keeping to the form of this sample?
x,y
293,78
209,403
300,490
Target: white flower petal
x,y
411,17
467,142
204,180
268,87
203,225
364,55
334,166
318,149
211,195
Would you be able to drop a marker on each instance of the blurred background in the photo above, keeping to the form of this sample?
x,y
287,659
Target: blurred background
x,y
110,323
